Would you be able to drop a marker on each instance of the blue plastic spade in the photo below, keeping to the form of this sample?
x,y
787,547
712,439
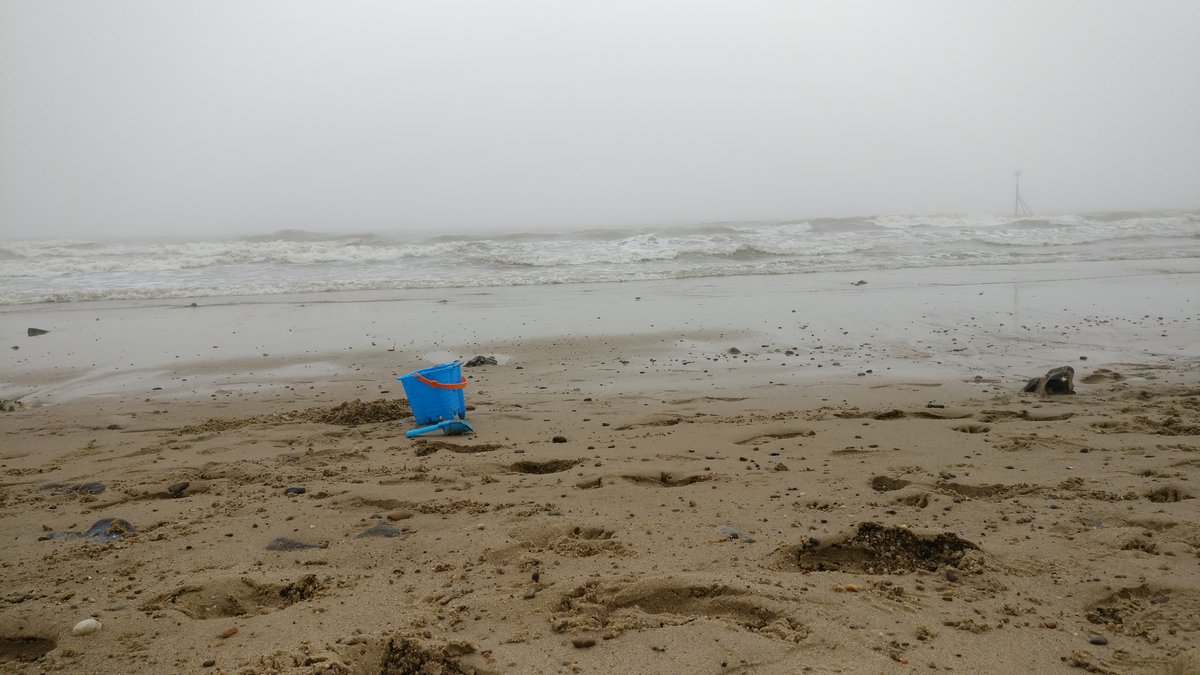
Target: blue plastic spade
x,y
451,427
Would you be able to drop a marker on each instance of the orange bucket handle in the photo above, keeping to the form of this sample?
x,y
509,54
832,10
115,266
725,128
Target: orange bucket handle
x,y
442,385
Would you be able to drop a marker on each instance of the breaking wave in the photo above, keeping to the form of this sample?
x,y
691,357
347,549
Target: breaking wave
x,y
291,261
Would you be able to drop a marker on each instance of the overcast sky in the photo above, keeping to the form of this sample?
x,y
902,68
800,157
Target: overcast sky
x,y
225,117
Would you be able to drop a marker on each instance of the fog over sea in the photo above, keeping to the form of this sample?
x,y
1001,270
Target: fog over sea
x,y
294,261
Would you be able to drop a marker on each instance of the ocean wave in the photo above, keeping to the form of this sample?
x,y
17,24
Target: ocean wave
x,y
69,270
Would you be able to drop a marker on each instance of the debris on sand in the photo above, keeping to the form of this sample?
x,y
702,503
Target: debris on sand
x,y
105,529
878,549
350,413
288,544
1056,381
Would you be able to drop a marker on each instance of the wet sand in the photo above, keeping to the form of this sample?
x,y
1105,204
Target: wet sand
x,y
772,474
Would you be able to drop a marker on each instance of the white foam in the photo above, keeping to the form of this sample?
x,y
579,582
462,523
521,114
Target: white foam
x,y
77,270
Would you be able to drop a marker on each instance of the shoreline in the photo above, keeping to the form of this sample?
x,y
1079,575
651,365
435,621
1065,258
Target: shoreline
x,y
636,497
1008,321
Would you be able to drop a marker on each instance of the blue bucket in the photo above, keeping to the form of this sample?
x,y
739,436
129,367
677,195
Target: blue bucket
x,y
436,394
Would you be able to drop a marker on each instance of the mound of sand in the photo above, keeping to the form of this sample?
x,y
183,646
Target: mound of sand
x,y
350,413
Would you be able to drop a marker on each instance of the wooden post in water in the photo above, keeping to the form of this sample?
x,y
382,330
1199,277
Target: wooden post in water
x,y
1020,208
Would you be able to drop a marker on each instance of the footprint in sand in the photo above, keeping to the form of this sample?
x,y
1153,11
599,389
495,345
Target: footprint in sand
x,y
1148,609
670,602
763,439
543,467
26,638
235,596
664,479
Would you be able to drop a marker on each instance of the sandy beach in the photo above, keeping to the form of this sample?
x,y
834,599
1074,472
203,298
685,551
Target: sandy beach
x,y
771,474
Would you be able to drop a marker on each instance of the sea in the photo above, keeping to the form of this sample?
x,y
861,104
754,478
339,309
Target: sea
x,y
297,261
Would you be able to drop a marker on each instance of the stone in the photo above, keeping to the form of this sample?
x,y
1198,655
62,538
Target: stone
x,y
86,627
1056,381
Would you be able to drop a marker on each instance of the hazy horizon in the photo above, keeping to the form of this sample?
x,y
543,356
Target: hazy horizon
x,y
132,118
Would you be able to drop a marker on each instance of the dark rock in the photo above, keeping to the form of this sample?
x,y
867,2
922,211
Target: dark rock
x,y
734,350
177,489
559,439
32,332
1056,381
105,529
208,663
583,643
482,361
294,491
1098,640
110,529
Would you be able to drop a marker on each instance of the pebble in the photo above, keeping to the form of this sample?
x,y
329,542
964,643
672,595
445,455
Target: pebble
x,y
583,643
177,489
294,491
86,627
399,515
530,594
559,439
228,632
208,663
951,576
1098,640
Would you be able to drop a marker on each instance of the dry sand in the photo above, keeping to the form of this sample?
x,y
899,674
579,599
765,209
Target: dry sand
x,y
860,488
